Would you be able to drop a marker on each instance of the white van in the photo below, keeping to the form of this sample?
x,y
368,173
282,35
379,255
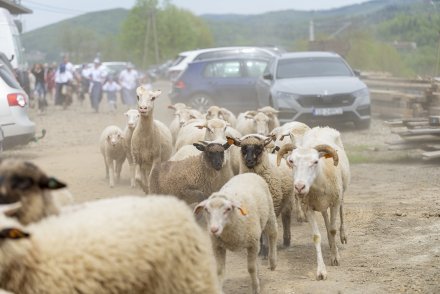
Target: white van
x,y
10,43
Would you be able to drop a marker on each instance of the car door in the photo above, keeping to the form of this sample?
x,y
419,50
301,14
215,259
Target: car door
x,y
253,69
227,84
264,84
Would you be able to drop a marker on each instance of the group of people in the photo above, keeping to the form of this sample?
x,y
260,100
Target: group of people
x,y
63,80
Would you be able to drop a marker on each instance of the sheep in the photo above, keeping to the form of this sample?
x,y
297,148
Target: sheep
x,y
132,119
237,215
272,114
320,183
25,182
111,144
255,159
151,139
126,244
281,136
221,113
198,130
181,116
252,122
194,178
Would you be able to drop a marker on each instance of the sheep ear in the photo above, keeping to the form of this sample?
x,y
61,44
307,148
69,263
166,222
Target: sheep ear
x,y
139,91
233,141
13,233
171,106
51,183
156,93
200,147
242,210
199,207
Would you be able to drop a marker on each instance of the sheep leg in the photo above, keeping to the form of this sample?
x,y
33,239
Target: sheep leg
x,y
321,273
333,248
220,257
327,224
300,216
111,167
252,268
342,228
264,251
118,170
106,168
132,175
271,231
285,217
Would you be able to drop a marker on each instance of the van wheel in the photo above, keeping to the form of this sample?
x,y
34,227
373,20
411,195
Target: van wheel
x,y
201,102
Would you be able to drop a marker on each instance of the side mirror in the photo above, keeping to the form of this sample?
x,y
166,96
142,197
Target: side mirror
x,y
357,73
268,76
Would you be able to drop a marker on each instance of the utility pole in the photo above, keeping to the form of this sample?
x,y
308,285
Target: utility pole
x,y
150,30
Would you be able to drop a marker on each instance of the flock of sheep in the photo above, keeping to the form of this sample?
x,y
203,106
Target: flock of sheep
x,y
231,178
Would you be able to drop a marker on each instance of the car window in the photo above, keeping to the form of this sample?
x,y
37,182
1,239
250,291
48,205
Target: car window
x,y
224,69
178,60
9,80
255,68
311,67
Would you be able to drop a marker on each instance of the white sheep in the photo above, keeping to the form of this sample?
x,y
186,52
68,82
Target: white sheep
x,y
272,113
237,215
320,183
199,130
181,116
132,119
251,122
25,182
111,144
255,159
194,178
151,139
221,113
121,245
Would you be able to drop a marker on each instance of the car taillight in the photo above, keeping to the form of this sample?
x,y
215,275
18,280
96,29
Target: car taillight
x,y
180,84
17,99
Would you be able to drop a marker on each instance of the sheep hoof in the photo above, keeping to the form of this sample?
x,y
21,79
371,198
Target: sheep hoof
x,y
286,242
343,237
322,275
334,261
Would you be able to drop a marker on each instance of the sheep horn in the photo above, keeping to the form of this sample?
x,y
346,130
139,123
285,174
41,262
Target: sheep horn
x,y
328,152
285,135
286,148
204,143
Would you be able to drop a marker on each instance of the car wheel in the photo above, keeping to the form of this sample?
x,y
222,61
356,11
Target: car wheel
x,y
363,124
201,102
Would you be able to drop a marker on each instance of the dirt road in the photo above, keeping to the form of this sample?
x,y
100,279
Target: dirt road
x,y
392,209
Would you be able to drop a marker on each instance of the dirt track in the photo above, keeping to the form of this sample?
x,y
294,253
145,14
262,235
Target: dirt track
x,y
392,209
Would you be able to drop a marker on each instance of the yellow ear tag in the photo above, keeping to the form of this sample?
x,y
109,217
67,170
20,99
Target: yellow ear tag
x,y
16,234
230,141
243,210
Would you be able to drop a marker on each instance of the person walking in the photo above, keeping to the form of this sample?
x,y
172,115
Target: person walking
x,y
111,87
97,79
40,87
129,80
63,76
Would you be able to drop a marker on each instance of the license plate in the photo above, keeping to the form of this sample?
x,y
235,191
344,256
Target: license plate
x,y
327,111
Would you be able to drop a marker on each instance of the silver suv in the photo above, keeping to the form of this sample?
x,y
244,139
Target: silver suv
x,y
315,88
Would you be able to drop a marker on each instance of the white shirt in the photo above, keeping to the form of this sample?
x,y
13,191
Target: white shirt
x,y
67,75
128,79
98,74
111,86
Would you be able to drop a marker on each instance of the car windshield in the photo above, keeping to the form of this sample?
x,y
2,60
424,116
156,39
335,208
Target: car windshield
x,y
311,67
9,80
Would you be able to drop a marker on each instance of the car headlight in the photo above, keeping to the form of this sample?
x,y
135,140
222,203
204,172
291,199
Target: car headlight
x,y
362,95
286,96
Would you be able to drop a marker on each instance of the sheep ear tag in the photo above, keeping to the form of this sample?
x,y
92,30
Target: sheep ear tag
x,y
52,184
12,233
243,211
230,141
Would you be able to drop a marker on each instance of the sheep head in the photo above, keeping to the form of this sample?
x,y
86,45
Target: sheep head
x,y
252,148
145,100
213,153
132,118
218,212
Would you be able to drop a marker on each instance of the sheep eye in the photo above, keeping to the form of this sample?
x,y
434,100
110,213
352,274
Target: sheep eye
x,y
227,209
315,162
153,98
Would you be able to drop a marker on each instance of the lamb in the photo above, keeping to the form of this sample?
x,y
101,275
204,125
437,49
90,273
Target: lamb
x,y
194,178
132,119
252,122
237,215
272,114
23,181
320,183
127,244
111,144
255,159
221,113
151,139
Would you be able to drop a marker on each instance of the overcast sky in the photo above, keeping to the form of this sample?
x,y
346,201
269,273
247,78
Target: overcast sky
x,y
51,11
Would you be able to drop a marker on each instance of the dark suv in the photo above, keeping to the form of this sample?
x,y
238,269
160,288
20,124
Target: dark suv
x,y
226,82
